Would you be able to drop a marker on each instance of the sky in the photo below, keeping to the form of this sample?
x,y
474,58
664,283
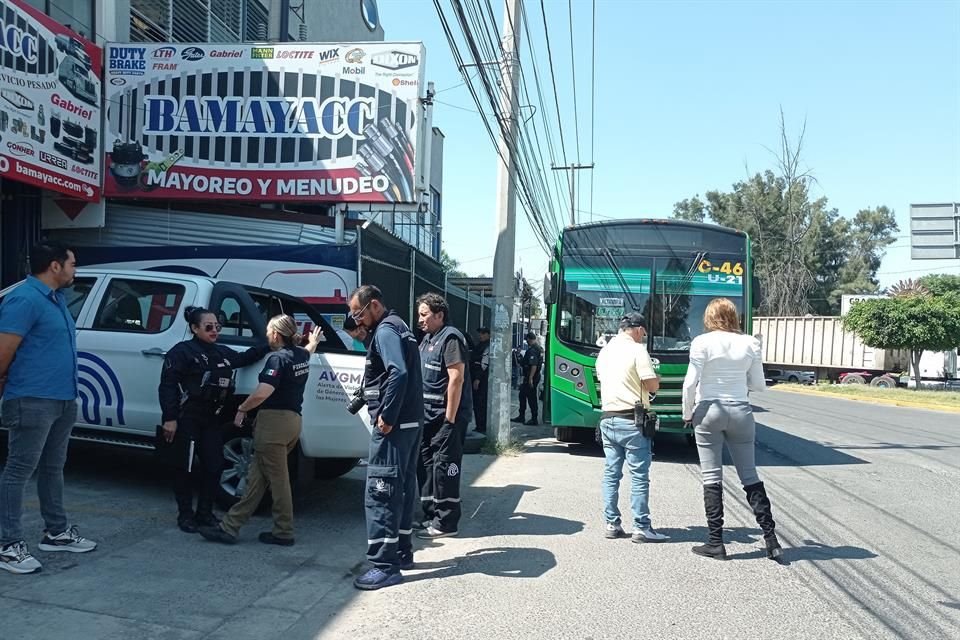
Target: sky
x,y
688,99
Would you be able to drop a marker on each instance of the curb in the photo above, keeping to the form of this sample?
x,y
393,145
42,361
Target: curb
x,y
884,401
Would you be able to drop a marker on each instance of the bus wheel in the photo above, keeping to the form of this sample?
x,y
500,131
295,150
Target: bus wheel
x,y
576,435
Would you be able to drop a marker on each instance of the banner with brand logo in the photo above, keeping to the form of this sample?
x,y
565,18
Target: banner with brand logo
x,y
49,103
282,122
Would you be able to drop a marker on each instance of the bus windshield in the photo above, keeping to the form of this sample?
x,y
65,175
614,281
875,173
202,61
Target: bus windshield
x,y
668,274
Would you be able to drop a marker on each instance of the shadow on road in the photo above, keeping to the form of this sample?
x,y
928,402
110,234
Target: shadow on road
x,y
744,535
777,448
500,562
812,550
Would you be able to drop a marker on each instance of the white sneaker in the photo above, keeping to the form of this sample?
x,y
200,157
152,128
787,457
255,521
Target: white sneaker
x,y
648,535
69,540
613,531
15,558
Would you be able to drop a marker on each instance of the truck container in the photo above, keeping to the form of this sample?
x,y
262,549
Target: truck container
x,y
822,345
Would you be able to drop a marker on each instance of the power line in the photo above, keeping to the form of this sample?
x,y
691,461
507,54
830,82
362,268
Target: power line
x,y
593,96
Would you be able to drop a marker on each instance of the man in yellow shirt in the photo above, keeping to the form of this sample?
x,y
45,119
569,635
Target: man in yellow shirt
x,y
626,378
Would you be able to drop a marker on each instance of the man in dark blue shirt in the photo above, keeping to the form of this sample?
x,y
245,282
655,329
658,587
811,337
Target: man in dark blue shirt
x,y
393,390
38,382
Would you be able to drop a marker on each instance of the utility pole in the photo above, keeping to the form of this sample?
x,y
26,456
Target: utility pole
x,y
571,168
501,342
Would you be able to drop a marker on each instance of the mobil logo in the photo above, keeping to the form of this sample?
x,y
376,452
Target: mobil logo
x,y
101,396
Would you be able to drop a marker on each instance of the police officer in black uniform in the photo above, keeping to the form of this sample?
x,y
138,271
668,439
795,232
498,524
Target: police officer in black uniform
x,y
447,404
196,384
531,364
393,392
480,374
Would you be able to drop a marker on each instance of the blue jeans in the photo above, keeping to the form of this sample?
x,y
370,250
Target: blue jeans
x,y
39,435
623,441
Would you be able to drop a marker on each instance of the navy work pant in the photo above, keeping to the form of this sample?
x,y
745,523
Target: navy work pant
x,y
390,494
441,461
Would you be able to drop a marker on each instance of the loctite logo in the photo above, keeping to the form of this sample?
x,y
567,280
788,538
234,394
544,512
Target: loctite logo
x,y
394,60
164,53
21,149
295,55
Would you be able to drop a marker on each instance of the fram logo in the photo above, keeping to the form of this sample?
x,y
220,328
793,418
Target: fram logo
x,y
101,396
164,53
394,60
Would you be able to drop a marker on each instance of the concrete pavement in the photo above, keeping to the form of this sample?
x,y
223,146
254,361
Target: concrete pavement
x,y
866,499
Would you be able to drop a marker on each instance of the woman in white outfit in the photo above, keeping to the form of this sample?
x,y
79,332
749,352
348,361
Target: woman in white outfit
x,y
725,365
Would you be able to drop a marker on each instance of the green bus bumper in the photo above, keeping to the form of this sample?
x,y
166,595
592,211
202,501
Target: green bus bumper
x,y
567,411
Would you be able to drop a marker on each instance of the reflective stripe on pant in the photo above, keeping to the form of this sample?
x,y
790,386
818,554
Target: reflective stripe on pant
x,y
441,459
207,436
390,494
274,437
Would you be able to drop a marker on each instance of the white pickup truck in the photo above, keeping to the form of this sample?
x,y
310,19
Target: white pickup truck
x,y
126,322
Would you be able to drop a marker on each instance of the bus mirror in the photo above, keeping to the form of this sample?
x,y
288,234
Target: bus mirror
x,y
756,292
550,286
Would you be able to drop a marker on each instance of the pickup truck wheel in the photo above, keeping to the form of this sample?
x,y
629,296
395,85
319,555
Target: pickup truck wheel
x,y
238,455
330,468
793,379
853,378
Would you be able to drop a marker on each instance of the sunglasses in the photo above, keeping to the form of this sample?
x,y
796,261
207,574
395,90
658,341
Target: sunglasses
x,y
212,327
359,314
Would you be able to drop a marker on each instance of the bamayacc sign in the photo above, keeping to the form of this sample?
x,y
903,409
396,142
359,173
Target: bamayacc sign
x,y
294,121
50,101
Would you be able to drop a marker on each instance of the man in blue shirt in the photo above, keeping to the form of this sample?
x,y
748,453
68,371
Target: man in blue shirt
x,y
38,383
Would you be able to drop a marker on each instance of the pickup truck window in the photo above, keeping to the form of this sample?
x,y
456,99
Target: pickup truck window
x,y
232,318
142,306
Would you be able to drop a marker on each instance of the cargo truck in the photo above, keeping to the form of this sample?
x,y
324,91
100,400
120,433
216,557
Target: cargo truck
x,y
822,345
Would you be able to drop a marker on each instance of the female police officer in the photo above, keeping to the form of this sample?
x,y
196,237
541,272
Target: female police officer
x,y
279,397
196,384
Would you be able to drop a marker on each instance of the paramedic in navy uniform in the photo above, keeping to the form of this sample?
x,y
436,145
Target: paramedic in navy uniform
x,y
192,400
394,394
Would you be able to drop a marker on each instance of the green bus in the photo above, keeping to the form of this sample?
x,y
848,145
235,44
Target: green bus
x,y
666,269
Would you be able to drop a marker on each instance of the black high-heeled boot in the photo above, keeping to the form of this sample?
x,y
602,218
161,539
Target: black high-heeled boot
x,y
713,506
762,510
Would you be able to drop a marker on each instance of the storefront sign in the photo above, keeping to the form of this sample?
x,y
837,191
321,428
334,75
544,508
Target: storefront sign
x,y
49,104
297,121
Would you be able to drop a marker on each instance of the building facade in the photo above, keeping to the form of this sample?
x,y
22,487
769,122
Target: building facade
x,y
22,206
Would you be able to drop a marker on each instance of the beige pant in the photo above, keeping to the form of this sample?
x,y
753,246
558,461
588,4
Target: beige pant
x,y
274,437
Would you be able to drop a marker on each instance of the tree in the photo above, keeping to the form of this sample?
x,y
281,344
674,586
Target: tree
x,y
941,283
805,254
916,322
529,302
451,265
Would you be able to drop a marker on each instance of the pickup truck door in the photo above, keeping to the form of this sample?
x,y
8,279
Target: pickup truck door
x,y
131,323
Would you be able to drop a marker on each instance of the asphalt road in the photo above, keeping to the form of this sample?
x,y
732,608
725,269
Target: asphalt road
x,y
865,497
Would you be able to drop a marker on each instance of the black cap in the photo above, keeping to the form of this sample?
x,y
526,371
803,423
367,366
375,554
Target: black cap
x,y
484,330
633,320
531,336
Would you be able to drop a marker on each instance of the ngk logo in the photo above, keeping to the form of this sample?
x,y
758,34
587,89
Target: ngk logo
x,y
164,53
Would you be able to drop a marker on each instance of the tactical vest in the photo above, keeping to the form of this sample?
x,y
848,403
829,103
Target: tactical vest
x,y
375,375
436,378
215,384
